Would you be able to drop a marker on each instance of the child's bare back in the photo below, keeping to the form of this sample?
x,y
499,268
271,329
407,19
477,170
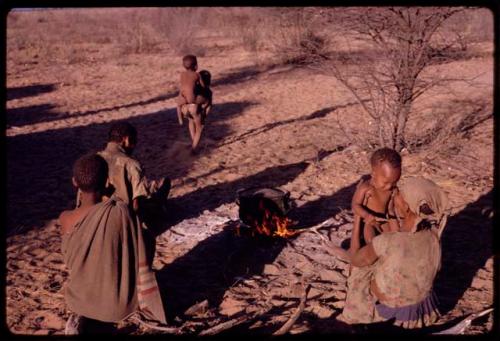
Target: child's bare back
x,y
188,83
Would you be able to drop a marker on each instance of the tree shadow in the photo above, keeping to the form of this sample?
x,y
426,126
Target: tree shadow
x,y
213,196
28,91
212,267
39,165
262,129
466,246
30,117
243,74
31,114
315,212
473,113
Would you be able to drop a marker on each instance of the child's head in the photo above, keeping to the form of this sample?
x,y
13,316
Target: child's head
x,y
125,134
90,173
386,168
189,62
206,77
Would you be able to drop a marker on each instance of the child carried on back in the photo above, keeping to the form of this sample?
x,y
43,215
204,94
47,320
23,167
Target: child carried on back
x,y
195,98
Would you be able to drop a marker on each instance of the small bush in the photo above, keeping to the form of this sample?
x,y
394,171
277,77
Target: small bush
x,y
296,40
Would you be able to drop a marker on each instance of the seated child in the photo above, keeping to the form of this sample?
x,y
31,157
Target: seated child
x,y
104,251
375,197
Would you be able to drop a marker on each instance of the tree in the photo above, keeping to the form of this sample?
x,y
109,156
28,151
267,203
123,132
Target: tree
x,y
384,71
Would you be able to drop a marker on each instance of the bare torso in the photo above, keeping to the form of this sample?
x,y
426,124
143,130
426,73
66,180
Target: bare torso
x,y
189,80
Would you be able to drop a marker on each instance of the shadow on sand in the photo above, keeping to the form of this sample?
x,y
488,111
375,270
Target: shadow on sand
x,y
214,264
39,164
467,243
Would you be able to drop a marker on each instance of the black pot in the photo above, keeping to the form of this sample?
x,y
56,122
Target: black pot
x,y
246,198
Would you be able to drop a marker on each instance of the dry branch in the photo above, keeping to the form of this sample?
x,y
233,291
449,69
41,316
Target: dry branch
x,y
288,324
234,322
315,228
167,330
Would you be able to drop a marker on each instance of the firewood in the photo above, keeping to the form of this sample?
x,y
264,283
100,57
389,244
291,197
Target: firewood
x,y
460,327
167,330
234,322
315,228
289,324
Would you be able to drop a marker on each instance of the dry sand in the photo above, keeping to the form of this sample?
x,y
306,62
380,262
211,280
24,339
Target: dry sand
x,y
271,125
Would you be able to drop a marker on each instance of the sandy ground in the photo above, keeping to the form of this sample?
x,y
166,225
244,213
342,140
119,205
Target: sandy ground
x,y
271,125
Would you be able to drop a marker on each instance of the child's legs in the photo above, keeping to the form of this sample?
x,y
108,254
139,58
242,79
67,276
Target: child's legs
x,y
192,128
180,102
198,127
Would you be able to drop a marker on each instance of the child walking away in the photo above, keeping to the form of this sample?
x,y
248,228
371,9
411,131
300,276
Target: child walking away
x,y
189,82
195,98
375,198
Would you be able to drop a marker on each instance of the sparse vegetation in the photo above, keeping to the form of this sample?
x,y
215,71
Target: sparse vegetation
x,y
282,118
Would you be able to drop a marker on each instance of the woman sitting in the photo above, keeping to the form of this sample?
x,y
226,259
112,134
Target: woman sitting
x,y
392,277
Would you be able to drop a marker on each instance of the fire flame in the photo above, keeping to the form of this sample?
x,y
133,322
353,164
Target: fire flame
x,y
273,224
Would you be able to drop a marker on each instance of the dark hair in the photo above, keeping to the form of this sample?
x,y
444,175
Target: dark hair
x,y
90,172
120,130
206,77
189,61
386,155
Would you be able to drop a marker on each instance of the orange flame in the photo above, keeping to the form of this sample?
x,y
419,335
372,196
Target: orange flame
x,y
273,224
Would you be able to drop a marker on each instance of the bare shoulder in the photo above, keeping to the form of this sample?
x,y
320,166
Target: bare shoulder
x,y
364,185
67,220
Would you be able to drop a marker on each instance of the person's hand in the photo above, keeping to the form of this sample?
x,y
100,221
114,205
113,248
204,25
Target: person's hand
x,y
370,219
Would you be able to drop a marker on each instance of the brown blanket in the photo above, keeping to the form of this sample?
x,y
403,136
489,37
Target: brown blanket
x,y
109,276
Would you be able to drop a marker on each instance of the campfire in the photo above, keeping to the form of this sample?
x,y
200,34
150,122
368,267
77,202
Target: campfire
x,y
263,212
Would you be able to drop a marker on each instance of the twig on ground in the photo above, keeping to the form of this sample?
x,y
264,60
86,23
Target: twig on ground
x,y
289,324
234,322
169,330
315,228
464,324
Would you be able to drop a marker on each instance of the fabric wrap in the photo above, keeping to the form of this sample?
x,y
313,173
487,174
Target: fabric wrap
x,y
109,275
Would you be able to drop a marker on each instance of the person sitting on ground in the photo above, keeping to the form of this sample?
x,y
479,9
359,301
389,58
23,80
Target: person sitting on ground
x,y
372,196
103,248
394,274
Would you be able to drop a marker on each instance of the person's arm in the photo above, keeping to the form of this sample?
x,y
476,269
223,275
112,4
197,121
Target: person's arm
x,y
139,185
364,256
357,203
355,235
397,208
66,222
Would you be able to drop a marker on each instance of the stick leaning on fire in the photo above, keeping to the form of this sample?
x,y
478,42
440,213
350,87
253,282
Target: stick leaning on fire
x,y
331,248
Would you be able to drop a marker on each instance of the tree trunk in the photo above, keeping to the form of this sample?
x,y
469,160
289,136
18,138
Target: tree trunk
x,y
402,118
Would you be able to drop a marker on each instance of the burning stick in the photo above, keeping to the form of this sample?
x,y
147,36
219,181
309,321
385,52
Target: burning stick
x,y
289,324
